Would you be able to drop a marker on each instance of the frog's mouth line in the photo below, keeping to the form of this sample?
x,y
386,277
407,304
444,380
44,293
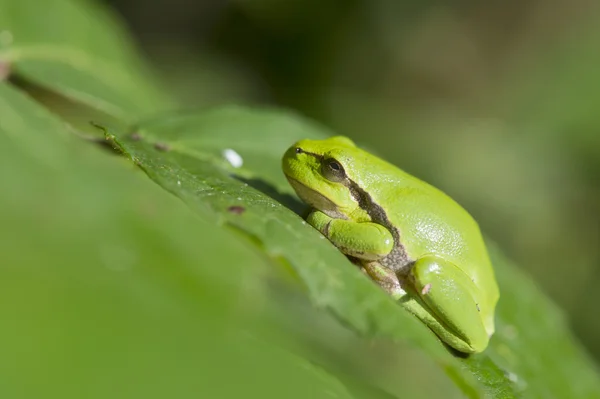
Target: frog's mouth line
x,y
302,189
315,199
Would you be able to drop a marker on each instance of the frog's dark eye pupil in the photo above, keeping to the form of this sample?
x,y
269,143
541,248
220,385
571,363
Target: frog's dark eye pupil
x,y
333,170
298,150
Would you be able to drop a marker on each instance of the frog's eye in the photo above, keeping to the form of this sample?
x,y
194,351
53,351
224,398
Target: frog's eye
x,y
299,150
333,170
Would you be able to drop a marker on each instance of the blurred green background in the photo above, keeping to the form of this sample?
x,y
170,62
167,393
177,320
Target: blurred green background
x,y
497,103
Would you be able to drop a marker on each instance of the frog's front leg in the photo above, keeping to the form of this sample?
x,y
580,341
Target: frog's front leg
x,y
366,241
445,299
363,240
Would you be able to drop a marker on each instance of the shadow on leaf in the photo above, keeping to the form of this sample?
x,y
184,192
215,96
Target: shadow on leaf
x,y
288,200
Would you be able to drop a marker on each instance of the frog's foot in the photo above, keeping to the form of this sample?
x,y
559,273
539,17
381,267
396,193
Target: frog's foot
x,y
385,278
445,299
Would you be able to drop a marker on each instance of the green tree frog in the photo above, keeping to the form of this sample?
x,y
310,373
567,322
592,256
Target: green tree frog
x,y
413,240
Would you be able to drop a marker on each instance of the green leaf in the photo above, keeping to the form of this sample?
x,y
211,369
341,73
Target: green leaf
x,y
110,287
79,50
532,353
533,342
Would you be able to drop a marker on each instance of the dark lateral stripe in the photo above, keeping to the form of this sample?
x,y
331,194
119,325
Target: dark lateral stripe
x,y
366,203
398,257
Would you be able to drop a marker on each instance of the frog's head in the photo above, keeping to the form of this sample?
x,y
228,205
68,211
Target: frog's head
x,y
318,172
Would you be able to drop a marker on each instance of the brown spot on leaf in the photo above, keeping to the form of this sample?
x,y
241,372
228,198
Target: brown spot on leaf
x,y
162,147
236,209
135,136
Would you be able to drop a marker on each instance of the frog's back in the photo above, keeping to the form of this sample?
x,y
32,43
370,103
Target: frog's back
x,y
430,222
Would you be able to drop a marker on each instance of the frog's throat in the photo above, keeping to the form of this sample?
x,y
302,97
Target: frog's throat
x,y
316,199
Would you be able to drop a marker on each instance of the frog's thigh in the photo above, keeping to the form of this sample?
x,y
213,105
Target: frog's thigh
x,y
366,240
450,295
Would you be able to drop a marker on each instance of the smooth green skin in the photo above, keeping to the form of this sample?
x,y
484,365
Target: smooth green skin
x,y
412,239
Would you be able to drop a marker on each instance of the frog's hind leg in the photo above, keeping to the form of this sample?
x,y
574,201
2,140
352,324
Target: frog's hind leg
x,y
389,281
441,296
444,298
